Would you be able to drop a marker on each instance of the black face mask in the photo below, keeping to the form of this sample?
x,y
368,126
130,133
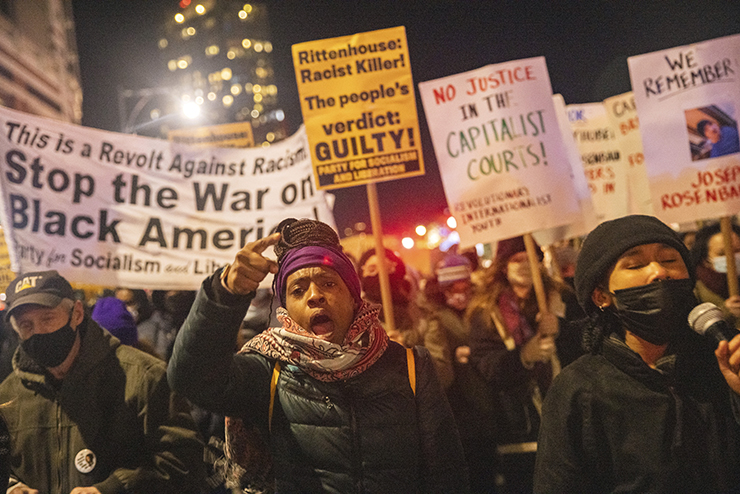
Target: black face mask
x,y
371,287
51,349
655,311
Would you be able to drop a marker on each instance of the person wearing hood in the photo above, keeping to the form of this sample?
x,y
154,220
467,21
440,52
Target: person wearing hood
x,y
86,414
650,407
343,408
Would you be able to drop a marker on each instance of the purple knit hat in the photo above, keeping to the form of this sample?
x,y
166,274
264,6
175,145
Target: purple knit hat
x,y
111,314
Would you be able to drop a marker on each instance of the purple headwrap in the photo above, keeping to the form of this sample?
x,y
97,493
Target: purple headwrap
x,y
316,255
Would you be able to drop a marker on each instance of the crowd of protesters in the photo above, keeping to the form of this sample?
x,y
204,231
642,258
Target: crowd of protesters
x,y
477,386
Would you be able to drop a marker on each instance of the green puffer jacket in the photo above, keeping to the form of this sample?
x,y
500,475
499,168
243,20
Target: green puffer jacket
x,y
112,423
366,434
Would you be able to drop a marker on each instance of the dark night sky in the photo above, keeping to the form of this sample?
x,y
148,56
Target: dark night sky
x,y
585,43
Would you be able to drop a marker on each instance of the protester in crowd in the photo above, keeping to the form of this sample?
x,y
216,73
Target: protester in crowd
x,y
8,344
170,310
446,336
719,140
113,315
406,313
347,410
689,238
648,409
86,414
137,303
513,346
708,258
4,454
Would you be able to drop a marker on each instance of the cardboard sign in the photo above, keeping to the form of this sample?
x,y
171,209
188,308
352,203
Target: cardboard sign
x,y
501,157
688,101
587,220
359,108
622,111
602,159
115,209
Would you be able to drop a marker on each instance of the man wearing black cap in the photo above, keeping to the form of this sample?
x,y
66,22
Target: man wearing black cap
x,y
648,409
86,414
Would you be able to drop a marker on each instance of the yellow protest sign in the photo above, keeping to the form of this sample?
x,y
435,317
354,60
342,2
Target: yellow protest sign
x,y
6,274
231,135
357,98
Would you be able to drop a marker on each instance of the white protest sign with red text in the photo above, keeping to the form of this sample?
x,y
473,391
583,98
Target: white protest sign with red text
x,y
688,101
500,153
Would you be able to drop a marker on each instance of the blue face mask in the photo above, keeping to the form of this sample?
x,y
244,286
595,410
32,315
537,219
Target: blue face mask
x,y
720,263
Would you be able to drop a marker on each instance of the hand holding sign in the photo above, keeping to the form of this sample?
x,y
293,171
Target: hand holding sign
x,y
250,267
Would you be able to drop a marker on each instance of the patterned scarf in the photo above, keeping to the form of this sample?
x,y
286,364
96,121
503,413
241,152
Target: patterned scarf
x,y
250,464
363,345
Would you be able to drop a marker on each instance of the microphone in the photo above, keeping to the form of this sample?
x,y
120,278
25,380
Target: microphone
x,y
708,319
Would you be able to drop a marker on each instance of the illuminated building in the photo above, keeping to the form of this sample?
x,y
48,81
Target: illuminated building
x,y
39,68
218,65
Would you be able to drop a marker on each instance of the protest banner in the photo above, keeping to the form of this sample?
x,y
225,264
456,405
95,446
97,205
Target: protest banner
x,y
601,158
120,210
359,108
230,135
623,114
501,157
687,100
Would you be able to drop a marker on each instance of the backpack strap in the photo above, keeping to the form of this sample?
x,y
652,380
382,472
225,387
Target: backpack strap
x,y
411,365
273,388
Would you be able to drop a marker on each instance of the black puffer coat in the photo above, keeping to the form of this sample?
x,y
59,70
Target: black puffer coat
x,y
367,434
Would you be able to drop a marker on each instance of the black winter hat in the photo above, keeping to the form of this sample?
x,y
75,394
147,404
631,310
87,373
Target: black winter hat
x,y
603,246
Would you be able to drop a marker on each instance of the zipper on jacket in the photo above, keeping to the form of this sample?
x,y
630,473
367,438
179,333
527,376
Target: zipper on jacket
x,y
356,456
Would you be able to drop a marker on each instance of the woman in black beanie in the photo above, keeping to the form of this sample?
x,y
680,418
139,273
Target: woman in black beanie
x,y
648,409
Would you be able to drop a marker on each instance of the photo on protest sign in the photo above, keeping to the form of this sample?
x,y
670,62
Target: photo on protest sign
x,y
359,109
121,210
502,160
712,131
687,98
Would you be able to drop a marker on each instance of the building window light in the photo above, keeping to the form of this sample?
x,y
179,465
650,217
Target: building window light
x,y
247,43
